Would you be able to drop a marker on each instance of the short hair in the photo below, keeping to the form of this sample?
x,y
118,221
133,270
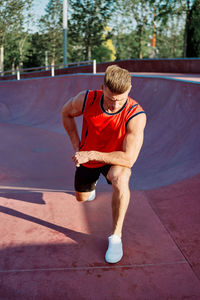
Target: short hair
x,y
118,80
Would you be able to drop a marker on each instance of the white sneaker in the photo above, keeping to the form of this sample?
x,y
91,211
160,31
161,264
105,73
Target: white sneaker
x,y
93,193
115,251
92,196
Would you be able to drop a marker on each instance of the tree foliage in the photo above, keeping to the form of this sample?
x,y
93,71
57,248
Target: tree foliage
x,y
36,48
87,25
138,29
12,36
12,16
193,37
51,28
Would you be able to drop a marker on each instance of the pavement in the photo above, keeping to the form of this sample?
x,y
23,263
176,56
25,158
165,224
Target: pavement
x,y
51,246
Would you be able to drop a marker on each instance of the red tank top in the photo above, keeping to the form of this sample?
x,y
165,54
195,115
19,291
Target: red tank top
x,y
103,131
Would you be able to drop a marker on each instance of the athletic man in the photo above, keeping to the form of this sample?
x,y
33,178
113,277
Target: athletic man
x,y
111,139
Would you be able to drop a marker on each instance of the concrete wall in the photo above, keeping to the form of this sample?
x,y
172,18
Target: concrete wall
x,y
133,65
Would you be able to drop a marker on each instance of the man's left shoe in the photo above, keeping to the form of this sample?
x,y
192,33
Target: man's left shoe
x,y
115,251
92,196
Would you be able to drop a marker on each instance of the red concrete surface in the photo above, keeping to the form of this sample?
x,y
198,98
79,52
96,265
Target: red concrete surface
x,y
175,76
51,246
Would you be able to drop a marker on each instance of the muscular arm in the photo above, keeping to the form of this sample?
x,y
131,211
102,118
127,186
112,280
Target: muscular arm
x,y
72,109
131,147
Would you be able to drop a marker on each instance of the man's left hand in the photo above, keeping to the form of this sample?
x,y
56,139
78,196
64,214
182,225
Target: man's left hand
x,y
81,157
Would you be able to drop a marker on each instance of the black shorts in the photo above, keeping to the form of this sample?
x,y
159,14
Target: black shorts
x,y
86,178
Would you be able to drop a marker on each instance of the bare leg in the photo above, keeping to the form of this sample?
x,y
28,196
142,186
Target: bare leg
x,y
119,176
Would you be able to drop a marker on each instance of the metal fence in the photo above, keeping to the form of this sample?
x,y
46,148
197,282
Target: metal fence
x,y
18,72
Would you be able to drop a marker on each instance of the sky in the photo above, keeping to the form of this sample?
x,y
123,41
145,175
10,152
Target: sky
x,y
38,9
39,6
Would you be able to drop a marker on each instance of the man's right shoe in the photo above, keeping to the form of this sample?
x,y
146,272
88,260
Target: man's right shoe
x,y
115,251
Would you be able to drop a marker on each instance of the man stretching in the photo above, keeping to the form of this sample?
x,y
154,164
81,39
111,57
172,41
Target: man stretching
x,y
111,139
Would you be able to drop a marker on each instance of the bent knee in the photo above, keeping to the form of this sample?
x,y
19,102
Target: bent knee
x,y
119,176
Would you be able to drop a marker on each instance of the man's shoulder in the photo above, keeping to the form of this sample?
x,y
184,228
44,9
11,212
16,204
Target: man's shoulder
x,y
132,101
92,95
133,109
97,92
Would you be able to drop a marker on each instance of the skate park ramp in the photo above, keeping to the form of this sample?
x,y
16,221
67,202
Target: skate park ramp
x,y
171,146
49,240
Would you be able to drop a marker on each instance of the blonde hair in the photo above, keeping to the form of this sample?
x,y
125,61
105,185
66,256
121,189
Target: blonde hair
x,y
118,80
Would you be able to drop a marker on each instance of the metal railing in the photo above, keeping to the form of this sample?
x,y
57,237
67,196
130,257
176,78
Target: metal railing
x,y
18,72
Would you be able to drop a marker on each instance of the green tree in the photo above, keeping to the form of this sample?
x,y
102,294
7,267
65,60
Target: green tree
x,y
132,21
193,37
12,36
175,10
127,45
102,53
87,25
36,48
51,28
184,9
149,19
140,10
170,42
